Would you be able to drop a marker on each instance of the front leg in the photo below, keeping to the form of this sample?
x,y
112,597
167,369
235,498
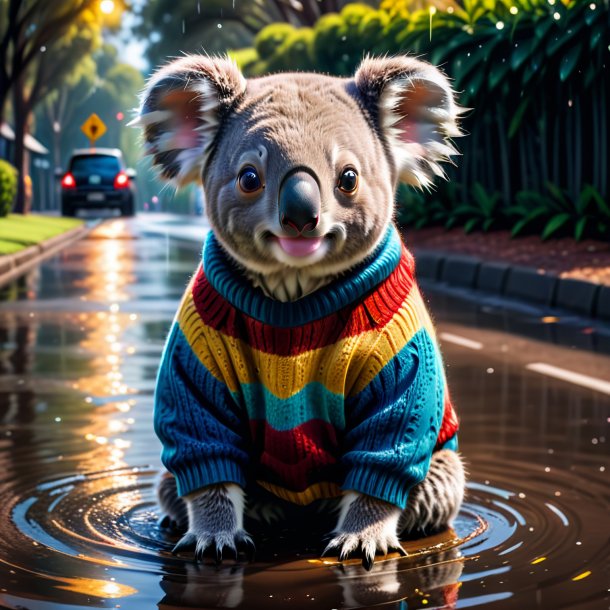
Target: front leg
x,y
215,516
366,525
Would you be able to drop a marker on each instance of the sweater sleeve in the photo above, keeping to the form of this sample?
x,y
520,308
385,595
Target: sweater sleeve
x,y
197,420
394,421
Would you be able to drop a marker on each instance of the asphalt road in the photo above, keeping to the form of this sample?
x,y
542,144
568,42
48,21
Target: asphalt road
x,y
80,340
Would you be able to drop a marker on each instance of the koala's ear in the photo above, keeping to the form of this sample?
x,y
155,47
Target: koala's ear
x,y
182,109
413,106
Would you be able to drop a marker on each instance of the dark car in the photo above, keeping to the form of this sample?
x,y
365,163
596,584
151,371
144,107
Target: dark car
x,y
97,178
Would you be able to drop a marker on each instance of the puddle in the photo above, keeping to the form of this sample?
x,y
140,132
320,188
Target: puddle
x,y
79,343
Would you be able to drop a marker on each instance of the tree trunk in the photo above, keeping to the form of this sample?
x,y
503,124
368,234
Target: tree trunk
x,y
22,114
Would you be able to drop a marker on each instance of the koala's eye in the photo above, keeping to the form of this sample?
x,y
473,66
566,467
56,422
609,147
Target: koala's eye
x,y
348,182
249,180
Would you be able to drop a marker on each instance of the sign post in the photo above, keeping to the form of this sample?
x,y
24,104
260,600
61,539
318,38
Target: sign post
x,y
94,128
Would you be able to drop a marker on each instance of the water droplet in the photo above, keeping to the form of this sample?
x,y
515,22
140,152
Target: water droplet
x,y
219,26
513,10
490,370
500,25
556,16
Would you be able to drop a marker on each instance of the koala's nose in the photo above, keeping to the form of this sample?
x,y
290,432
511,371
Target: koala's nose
x,y
299,203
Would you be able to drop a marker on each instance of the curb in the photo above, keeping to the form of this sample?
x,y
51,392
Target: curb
x,y
514,282
14,265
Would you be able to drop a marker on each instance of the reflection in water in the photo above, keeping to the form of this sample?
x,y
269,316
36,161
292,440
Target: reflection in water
x,y
78,461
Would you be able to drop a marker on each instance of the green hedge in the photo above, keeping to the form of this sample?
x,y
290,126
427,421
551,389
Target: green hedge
x,y
535,73
8,187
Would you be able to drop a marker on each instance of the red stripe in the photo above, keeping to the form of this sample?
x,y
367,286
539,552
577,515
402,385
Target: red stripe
x,y
375,311
297,458
450,423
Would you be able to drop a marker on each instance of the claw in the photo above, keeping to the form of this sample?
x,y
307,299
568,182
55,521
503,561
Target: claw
x,y
218,555
399,550
165,522
250,548
186,544
367,561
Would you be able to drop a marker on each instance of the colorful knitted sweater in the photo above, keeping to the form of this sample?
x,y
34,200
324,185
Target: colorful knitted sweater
x,y
342,389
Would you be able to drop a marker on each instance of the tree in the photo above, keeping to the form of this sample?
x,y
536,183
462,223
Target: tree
x,y
101,84
44,73
27,29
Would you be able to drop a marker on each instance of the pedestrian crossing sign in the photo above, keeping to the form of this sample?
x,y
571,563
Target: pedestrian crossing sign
x,y
94,128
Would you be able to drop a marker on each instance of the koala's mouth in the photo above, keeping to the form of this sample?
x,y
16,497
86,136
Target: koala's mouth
x,y
299,246
300,250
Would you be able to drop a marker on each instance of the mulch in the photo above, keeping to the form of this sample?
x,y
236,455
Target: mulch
x,y
586,260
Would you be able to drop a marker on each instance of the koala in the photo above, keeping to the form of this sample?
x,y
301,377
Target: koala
x,y
302,360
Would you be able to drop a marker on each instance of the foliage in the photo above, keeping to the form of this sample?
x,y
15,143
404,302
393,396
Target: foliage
x,y
536,74
548,214
8,187
173,26
556,213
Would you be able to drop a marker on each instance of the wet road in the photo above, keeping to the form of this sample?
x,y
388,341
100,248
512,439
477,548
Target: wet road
x,y
80,339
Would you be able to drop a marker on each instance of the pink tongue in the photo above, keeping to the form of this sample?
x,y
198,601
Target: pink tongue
x,y
299,246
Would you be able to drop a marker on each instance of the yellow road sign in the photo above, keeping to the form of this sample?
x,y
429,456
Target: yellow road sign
x,y
93,127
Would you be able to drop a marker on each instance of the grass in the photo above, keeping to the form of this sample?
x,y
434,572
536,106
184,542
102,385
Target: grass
x,y
18,232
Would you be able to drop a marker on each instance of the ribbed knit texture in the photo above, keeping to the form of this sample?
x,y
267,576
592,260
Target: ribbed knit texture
x,y
343,389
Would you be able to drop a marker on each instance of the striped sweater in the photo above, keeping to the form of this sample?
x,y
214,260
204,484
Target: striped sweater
x,y
342,389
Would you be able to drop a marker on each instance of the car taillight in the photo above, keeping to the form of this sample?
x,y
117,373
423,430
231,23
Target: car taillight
x,y
121,180
68,182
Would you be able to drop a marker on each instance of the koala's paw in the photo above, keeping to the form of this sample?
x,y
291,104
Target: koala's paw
x,y
366,526
215,524
216,543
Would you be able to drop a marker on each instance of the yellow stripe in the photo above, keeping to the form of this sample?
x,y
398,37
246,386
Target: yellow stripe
x,y
345,367
317,491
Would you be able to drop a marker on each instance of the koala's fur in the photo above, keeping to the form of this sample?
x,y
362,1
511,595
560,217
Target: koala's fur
x,y
203,121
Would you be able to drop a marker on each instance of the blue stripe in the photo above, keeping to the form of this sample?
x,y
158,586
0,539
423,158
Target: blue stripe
x,y
314,401
394,423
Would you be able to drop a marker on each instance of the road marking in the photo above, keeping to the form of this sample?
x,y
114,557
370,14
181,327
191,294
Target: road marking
x,y
469,343
576,378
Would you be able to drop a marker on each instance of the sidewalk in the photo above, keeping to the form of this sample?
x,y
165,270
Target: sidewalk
x,y
561,275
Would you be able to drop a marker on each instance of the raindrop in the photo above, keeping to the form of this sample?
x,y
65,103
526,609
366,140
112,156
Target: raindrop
x,y
500,25
490,370
199,8
183,26
513,10
556,16
43,49
592,6
219,26
570,103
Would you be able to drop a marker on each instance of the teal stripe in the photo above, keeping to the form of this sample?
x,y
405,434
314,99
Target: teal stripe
x,y
314,401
